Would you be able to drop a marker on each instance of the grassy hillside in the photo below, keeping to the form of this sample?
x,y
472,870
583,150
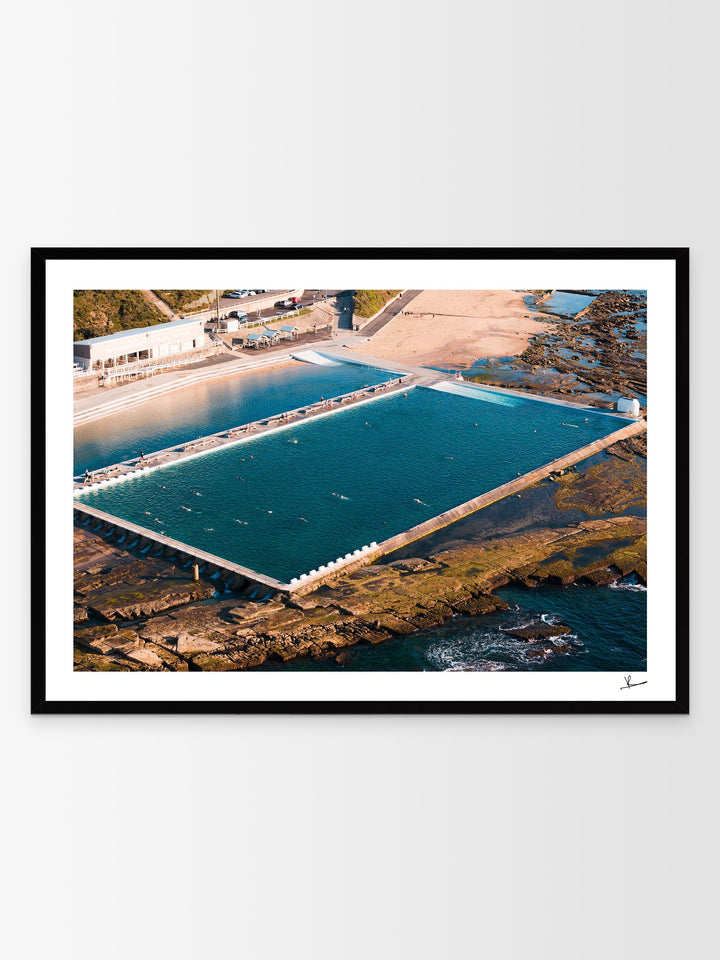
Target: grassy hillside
x,y
98,312
368,302
181,300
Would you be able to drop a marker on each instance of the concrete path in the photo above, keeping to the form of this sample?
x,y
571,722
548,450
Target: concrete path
x,y
155,300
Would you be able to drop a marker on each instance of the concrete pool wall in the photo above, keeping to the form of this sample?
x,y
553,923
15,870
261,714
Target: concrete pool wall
x,y
127,469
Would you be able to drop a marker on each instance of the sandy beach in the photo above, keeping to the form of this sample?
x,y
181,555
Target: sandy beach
x,y
457,327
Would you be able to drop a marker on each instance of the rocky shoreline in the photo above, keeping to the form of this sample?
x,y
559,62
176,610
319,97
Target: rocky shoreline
x,y
600,351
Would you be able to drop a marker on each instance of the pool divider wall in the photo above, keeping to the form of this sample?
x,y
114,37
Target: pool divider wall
x,y
466,388
250,431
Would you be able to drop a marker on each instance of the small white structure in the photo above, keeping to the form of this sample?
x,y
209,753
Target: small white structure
x,y
289,332
629,405
228,325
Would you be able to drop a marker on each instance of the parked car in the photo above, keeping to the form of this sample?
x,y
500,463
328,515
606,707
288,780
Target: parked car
x,y
233,294
294,299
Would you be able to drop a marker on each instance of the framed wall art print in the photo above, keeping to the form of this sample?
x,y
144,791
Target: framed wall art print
x,y
436,481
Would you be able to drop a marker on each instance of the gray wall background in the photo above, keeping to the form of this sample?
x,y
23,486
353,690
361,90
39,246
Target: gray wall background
x,y
148,123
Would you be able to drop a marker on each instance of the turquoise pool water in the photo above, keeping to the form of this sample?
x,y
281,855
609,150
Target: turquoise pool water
x,y
287,502
209,408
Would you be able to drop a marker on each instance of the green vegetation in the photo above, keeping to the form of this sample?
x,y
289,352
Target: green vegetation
x,y
99,312
181,300
368,302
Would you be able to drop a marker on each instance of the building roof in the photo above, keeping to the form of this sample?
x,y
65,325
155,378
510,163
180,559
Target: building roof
x,y
136,331
257,336
286,328
270,333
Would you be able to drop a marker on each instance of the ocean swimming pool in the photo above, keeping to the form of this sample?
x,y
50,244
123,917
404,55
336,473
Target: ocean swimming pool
x,y
208,408
299,497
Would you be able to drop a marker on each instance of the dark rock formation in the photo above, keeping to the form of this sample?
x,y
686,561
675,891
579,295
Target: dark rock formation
x,y
538,631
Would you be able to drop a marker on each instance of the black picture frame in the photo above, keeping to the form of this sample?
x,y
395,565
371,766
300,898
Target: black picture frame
x,y
40,704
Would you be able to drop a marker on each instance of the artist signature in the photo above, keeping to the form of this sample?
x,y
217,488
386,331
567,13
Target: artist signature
x,y
629,684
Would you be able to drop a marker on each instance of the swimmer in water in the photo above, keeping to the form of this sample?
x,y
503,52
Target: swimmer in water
x,y
147,513
210,529
244,522
303,519
419,501
189,510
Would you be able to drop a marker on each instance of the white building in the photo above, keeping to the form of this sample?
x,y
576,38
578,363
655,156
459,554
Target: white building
x,y
228,325
629,405
159,341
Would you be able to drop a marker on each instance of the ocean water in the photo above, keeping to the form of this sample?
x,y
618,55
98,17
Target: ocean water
x,y
209,408
287,502
562,304
608,633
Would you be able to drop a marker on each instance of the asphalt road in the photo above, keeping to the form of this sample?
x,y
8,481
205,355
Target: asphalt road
x,y
390,311
309,298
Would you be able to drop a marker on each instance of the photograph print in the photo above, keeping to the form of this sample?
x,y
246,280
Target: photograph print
x,y
352,498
